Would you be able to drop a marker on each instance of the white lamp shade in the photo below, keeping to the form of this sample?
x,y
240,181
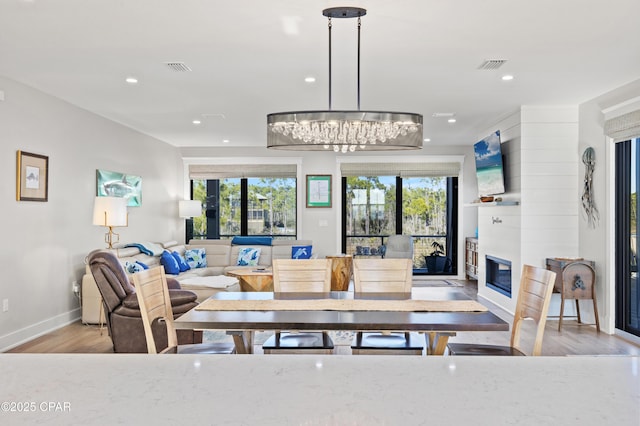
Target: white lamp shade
x,y
110,211
189,208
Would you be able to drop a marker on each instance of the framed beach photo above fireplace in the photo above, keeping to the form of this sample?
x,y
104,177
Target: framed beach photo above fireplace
x,y
115,184
318,190
32,175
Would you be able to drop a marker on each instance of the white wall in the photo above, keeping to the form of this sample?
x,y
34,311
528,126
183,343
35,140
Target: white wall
x,y
45,243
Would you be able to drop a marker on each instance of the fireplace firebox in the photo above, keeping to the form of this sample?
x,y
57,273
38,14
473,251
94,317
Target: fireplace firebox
x,y
498,275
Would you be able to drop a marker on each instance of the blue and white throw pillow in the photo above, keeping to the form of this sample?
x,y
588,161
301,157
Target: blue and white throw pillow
x,y
196,258
133,267
170,263
248,256
301,252
182,263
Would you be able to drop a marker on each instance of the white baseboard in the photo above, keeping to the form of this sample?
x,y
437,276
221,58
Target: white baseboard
x,y
628,336
18,337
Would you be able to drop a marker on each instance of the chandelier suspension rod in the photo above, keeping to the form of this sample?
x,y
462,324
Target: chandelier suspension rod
x,y
330,67
358,62
329,63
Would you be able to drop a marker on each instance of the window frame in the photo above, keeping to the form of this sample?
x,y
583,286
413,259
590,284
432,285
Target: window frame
x,y
212,210
452,213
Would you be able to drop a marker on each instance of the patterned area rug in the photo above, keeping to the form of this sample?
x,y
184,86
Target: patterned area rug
x,y
340,338
435,283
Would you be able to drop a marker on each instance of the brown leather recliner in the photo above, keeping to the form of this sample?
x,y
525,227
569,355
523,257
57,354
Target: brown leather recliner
x,y
122,312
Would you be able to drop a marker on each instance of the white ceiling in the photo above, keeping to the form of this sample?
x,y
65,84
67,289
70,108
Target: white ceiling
x,y
250,58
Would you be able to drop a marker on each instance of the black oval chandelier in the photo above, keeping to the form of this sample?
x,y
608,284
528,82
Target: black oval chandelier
x,y
344,131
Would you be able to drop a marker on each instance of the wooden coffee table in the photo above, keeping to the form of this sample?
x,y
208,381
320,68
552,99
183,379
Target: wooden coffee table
x,y
253,279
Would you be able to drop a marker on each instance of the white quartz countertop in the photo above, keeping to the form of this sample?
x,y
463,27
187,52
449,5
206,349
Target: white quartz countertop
x,y
111,389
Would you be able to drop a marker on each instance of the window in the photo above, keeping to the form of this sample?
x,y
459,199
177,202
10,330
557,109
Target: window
x,y
423,207
245,199
246,206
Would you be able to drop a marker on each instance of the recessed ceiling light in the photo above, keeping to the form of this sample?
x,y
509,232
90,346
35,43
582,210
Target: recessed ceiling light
x,y
310,79
196,122
451,120
427,140
225,141
507,77
131,80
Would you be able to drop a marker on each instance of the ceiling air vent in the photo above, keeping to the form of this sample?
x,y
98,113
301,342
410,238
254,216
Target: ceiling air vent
x,y
177,66
492,64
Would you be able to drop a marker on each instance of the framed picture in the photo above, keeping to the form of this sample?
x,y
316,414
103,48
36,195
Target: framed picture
x,y
318,190
115,184
32,178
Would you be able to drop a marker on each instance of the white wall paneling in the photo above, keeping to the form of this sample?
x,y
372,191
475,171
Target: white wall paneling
x,y
541,154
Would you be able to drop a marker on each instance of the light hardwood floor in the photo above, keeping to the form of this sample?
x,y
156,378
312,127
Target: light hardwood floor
x,y
573,340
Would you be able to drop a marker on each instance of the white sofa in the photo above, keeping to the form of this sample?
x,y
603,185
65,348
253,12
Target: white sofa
x,y
221,256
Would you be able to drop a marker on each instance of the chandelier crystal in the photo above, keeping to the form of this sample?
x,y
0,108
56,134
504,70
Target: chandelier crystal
x,y
344,131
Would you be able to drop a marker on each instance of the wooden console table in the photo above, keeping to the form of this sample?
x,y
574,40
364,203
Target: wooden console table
x,y
575,279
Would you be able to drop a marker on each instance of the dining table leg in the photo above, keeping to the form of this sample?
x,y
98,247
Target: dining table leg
x,y
243,341
437,342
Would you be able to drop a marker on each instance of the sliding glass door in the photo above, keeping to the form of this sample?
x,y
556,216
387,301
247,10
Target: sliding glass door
x,y
375,207
627,231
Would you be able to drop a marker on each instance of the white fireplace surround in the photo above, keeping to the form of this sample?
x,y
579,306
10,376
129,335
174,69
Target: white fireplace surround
x,y
540,146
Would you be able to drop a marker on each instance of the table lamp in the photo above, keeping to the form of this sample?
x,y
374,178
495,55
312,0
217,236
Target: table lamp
x,y
188,209
110,212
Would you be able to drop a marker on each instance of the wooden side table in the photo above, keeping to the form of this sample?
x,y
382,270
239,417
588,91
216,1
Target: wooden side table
x,y
341,271
253,279
575,279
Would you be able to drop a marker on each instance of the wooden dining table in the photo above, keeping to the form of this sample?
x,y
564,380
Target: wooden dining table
x,y
241,319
